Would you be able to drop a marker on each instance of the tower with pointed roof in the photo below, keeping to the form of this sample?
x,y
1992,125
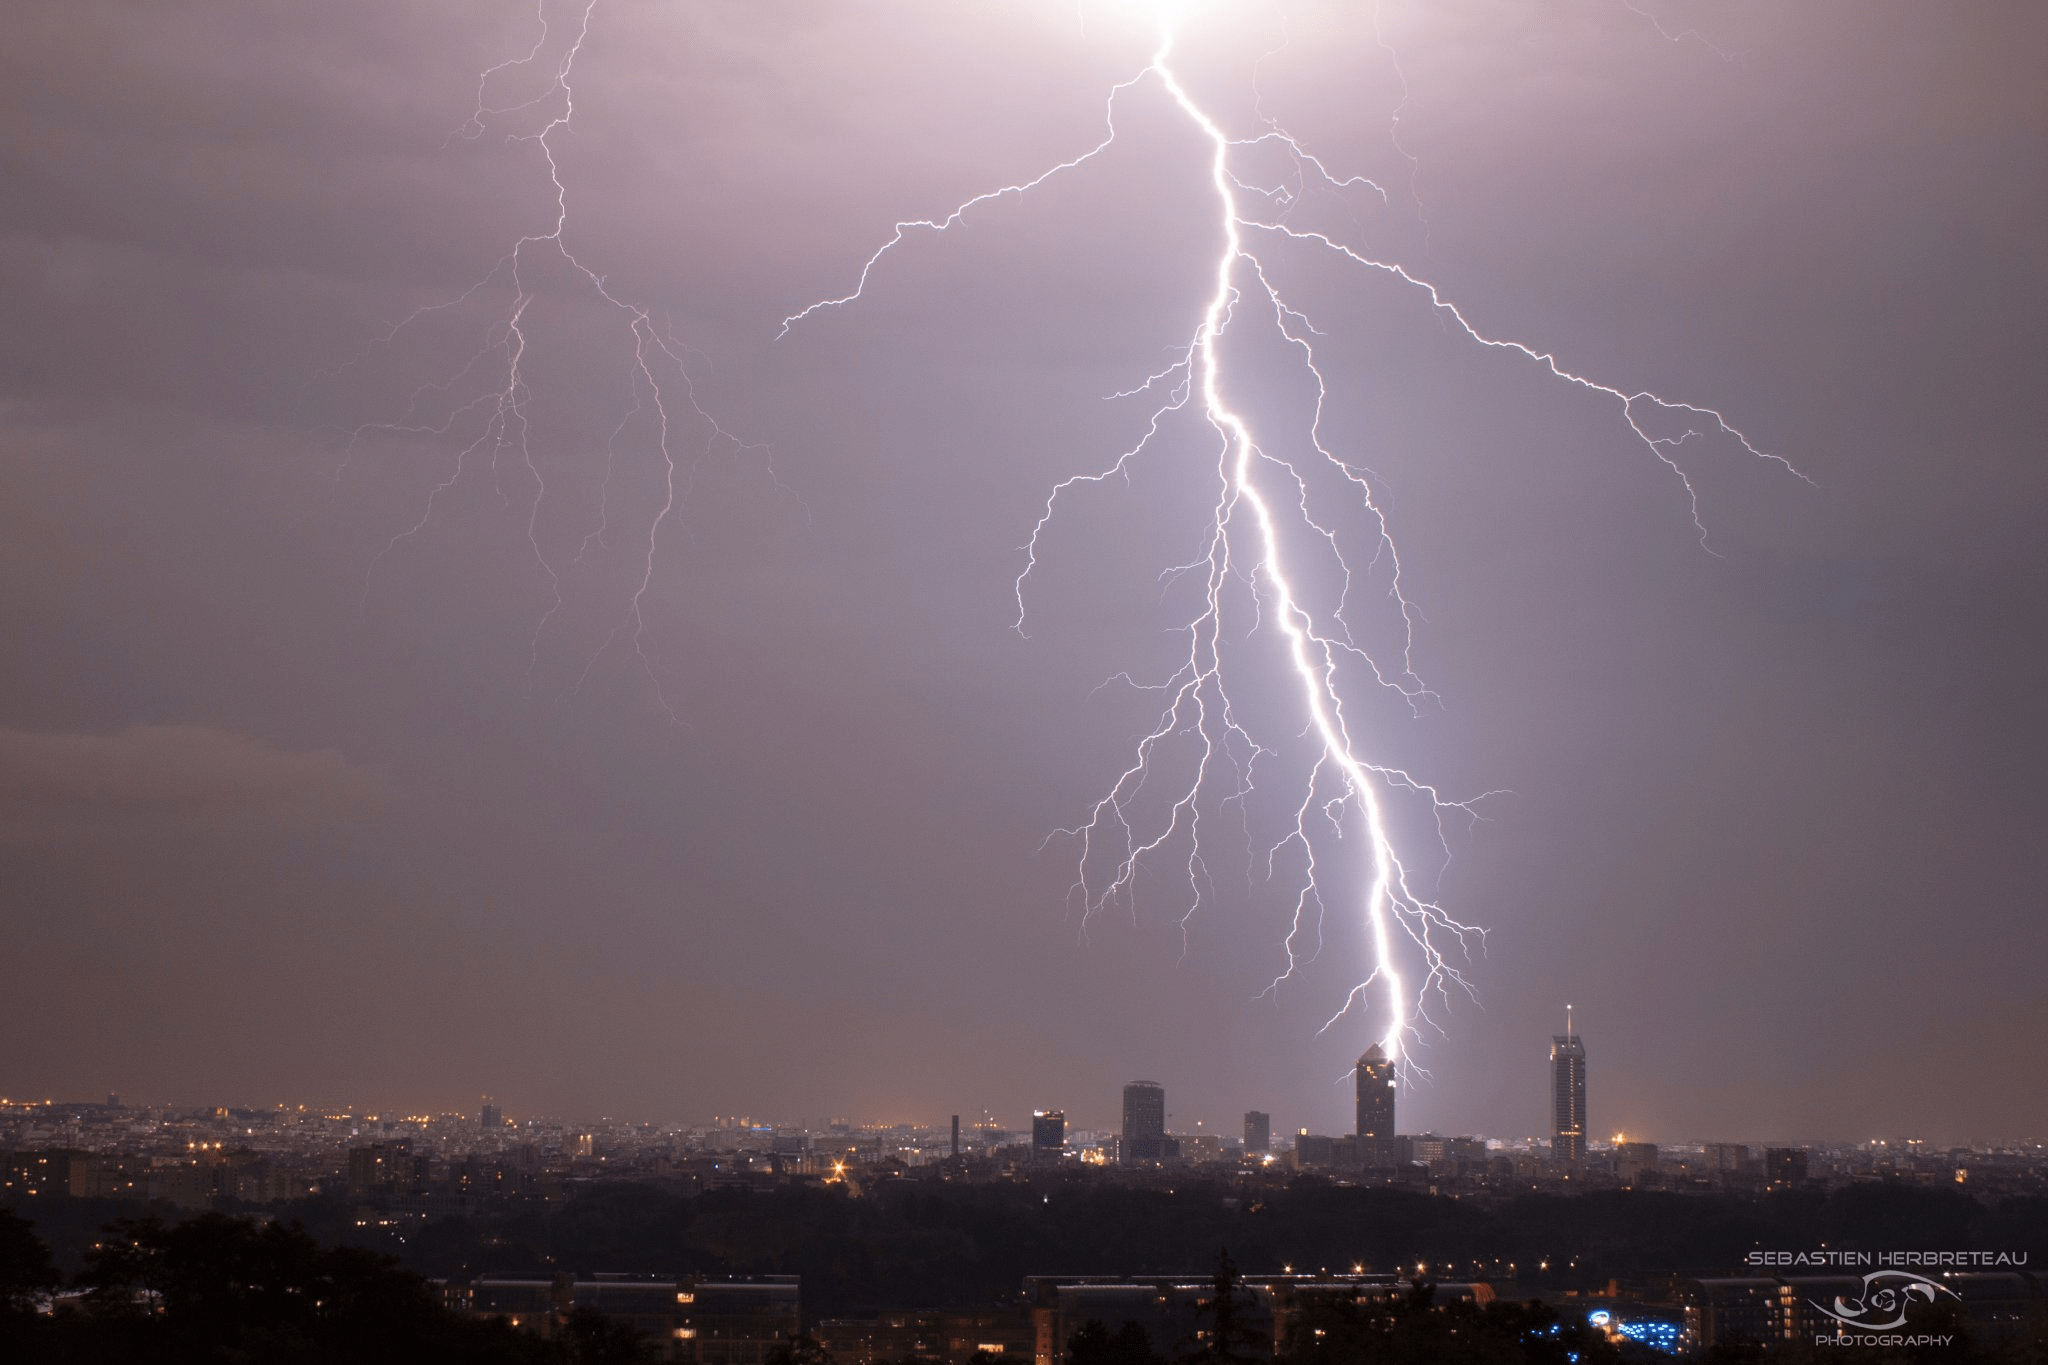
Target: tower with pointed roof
x,y
1568,1094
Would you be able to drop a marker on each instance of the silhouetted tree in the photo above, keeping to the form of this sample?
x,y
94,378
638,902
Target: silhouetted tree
x,y
1094,1344
25,1267
216,1288
800,1348
124,1268
589,1337
1230,1337
26,1272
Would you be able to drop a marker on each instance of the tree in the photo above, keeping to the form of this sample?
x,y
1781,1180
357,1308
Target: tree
x,y
800,1348
1231,1337
227,1289
25,1267
1094,1344
123,1271
591,1338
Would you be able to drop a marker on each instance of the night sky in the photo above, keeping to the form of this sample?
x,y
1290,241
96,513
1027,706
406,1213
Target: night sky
x,y
351,755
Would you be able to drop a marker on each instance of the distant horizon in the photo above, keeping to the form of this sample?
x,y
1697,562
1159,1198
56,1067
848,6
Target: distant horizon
x,y
1230,1132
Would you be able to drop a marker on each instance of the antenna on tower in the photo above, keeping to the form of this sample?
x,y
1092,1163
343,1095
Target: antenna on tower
x,y
1567,1021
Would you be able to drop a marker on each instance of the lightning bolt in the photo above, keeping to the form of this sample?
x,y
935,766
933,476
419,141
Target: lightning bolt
x,y
484,409
1271,515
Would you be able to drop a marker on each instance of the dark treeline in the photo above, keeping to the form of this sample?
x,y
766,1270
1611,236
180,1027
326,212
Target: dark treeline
x,y
240,1292
924,1244
215,1288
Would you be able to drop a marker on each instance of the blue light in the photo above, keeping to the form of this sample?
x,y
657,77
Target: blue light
x,y
1654,1333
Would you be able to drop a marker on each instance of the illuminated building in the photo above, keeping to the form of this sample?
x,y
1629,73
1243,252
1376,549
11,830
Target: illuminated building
x,y
1175,1312
384,1166
1258,1132
1144,1121
1769,1311
1048,1131
1375,1094
1568,1095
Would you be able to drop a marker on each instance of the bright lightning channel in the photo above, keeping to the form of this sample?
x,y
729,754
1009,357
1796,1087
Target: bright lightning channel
x,y
1403,926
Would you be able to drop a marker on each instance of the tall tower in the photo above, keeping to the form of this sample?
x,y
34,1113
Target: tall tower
x,y
1567,1094
1375,1094
1258,1131
1048,1133
1144,1121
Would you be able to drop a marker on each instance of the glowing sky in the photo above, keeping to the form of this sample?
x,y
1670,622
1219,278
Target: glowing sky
x,y
289,810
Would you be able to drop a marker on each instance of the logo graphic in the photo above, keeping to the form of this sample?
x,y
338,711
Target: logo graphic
x,y
1886,1296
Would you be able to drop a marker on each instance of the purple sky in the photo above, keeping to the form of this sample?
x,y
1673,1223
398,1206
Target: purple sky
x,y
297,806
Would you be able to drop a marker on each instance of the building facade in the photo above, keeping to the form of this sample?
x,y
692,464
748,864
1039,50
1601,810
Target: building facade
x,y
1773,1312
1568,1098
952,1336
1144,1132
1375,1084
1785,1165
1258,1133
1175,1313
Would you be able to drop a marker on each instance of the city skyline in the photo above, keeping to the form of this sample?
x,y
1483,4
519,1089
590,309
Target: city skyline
x,y
1024,1142
371,736
1145,1115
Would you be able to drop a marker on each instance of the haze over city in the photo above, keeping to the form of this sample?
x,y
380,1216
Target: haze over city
x,y
352,755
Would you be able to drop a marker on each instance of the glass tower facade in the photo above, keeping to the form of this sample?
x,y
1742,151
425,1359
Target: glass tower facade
x,y
1144,1121
1567,1097
1375,1094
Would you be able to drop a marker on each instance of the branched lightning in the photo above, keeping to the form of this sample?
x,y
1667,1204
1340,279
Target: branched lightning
x,y
1266,519
483,410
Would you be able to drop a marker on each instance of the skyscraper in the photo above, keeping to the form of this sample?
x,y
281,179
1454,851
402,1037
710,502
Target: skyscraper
x,y
1567,1094
1258,1132
1375,1094
1144,1121
1048,1132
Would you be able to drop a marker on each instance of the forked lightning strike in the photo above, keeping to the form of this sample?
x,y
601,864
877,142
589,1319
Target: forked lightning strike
x,y
1264,502
499,412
